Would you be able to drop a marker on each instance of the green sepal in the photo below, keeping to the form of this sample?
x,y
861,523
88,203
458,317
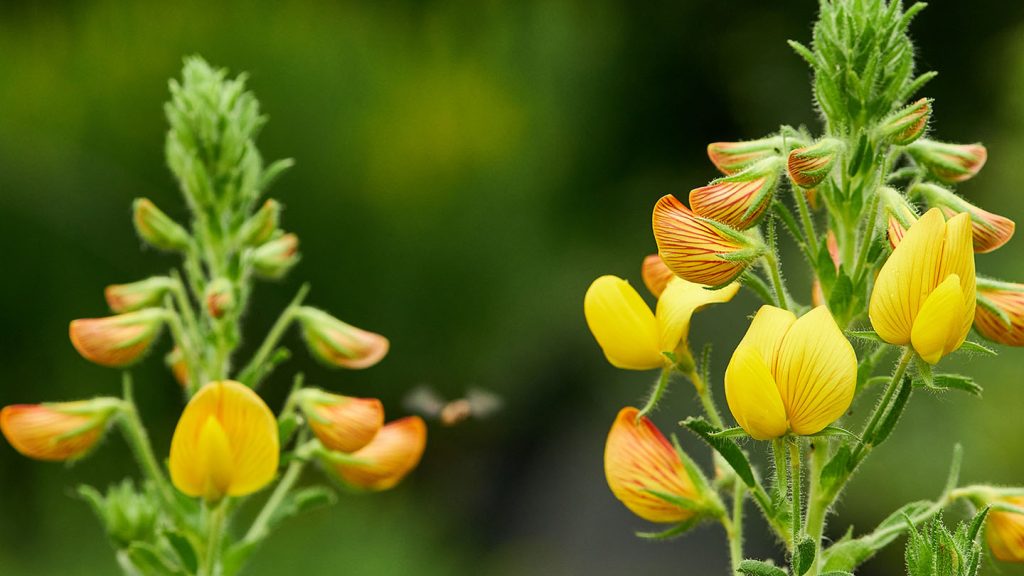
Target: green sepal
x,y
869,335
834,431
969,346
734,432
671,533
841,295
942,382
759,568
924,370
836,468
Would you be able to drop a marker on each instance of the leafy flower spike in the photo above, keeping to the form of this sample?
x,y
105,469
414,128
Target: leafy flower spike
x,y
226,443
645,472
697,249
925,292
790,375
634,338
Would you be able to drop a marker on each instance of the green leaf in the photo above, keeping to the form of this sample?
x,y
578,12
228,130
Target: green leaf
x,y
836,468
841,296
183,549
734,432
803,558
303,500
951,382
759,568
724,446
868,335
893,414
835,431
969,346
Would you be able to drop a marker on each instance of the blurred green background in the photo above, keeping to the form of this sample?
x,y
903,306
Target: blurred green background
x,y
464,170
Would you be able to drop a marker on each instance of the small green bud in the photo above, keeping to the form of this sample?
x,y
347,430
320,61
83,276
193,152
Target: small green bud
x,y
275,258
129,515
261,226
220,297
157,228
907,124
137,295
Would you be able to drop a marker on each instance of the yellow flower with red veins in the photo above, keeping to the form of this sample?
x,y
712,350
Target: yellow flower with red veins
x,y
925,292
117,341
1000,312
57,431
645,472
790,375
225,444
634,338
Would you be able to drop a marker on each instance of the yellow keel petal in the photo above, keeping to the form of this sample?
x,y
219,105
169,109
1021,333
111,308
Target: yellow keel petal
x,y
938,324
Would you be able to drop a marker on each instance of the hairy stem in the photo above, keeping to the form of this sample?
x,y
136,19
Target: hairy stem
x,y
138,440
659,389
250,375
860,452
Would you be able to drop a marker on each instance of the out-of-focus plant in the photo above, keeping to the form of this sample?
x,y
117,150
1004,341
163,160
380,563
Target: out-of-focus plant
x,y
893,280
228,444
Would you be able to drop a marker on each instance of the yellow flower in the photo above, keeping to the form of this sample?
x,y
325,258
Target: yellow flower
x,y
1005,533
388,458
638,462
225,444
789,374
633,337
58,431
341,423
117,340
925,293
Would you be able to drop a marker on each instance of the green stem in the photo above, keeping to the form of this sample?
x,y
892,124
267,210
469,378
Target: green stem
x,y
805,219
261,525
796,483
734,530
771,262
781,470
250,374
868,238
138,439
215,533
659,388
860,452
706,399
817,507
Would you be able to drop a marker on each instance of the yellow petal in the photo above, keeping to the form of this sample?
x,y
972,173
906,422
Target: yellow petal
x,y
623,324
752,395
958,258
1005,533
214,458
937,327
249,429
816,372
766,332
907,278
678,303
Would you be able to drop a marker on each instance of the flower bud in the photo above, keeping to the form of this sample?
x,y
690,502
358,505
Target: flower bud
x,y
275,258
137,295
731,157
641,465
340,344
261,226
817,295
907,124
175,362
739,200
655,274
117,341
220,297
990,231
949,162
1000,313
900,214
129,515
809,165
699,250
57,431
393,453
341,423
1005,532
157,228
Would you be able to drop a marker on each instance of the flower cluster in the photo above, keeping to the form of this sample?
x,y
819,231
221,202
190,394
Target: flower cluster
x,y
228,444
875,174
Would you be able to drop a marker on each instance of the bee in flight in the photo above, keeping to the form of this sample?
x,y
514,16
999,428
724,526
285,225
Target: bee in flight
x,y
476,403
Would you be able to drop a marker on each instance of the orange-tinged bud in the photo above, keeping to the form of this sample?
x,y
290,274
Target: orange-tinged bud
x,y
1005,532
731,157
697,249
393,453
655,274
341,423
117,340
990,231
261,226
137,295
157,228
1000,313
340,344
640,464
739,200
907,124
817,295
900,214
225,444
949,162
220,297
175,361
57,431
809,165
275,258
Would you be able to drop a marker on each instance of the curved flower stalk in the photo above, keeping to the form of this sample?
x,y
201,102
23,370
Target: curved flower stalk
x,y
228,444
790,375
874,172
925,291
